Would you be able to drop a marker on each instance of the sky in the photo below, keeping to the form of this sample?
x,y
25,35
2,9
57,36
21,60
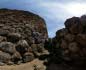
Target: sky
x,y
54,12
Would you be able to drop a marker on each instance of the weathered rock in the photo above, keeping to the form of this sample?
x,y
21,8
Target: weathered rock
x,y
27,57
22,46
74,25
2,64
37,37
83,22
34,48
2,39
37,49
19,30
69,37
81,38
7,47
64,44
5,57
16,57
13,37
3,32
40,48
70,42
61,32
31,40
73,47
66,52
23,22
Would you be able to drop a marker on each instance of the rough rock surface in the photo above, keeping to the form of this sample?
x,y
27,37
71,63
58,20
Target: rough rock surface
x,y
22,34
69,44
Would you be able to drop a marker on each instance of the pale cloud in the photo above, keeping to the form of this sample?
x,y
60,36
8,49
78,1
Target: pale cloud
x,y
64,10
76,9
58,11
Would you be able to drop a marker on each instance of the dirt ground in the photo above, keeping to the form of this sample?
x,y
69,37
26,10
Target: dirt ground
x,y
38,65
35,64
53,66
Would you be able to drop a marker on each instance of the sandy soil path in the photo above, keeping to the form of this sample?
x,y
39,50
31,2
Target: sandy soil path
x,y
26,66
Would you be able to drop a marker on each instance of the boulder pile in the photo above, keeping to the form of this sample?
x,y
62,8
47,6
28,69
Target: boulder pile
x,y
22,36
69,44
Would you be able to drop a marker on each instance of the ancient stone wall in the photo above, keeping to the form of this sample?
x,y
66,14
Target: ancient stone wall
x,y
71,41
22,36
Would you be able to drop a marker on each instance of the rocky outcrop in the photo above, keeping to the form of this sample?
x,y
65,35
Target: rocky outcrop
x,y
22,36
71,41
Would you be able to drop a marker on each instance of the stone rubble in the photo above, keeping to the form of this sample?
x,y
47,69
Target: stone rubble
x,y
69,44
22,36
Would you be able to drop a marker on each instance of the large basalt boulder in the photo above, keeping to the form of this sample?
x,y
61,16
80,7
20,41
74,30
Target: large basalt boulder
x,y
83,21
19,30
81,39
71,41
22,46
28,57
7,47
69,37
64,44
16,58
5,57
74,25
37,49
13,37
2,39
73,47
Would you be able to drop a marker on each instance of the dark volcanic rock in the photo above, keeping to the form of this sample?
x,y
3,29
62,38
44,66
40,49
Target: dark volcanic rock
x,y
4,57
69,44
13,37
83,21
2,39
37,49
22,46
7,47
16,57
73,47
64,44
19,30
27,57
74,25
81,39
69,37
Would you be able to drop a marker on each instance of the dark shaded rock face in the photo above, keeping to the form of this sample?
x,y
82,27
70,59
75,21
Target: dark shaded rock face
x,y
73,25
71,41
22,36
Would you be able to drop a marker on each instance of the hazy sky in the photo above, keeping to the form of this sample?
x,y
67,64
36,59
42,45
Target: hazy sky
x,y
55,12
